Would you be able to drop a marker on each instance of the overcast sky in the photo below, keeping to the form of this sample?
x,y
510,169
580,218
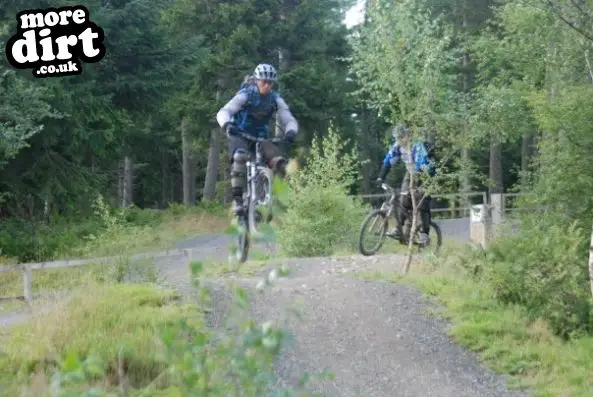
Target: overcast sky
x,y
355,15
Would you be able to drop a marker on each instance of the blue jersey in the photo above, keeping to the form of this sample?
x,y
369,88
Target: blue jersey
x,y
419,155
256,113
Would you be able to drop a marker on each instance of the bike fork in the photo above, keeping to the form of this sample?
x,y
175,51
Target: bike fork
x,y
251,180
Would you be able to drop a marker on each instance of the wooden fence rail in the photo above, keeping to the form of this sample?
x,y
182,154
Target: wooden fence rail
x,y
28,268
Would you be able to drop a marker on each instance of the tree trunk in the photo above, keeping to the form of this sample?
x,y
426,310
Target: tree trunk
x,y
365,152
46,209
496,166
127,182
209,192
120,182
591,263
165,198
281,67
526,151
411,169
465,180
173,192
187,167
193,167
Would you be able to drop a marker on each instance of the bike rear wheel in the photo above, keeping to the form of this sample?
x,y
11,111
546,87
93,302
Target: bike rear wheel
x,y
376,217
435,239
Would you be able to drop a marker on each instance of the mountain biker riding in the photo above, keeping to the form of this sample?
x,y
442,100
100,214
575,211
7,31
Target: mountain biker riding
x,y
250,110
421,162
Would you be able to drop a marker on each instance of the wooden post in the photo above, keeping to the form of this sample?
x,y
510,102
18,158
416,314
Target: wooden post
x,y
479,225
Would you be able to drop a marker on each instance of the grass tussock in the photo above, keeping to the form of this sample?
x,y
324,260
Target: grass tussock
x,y
505,336
102,321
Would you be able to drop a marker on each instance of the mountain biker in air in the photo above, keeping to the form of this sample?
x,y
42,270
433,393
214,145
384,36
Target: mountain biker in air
x,y
422,162
250,110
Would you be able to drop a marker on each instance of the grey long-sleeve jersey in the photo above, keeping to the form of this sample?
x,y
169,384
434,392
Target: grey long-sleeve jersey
x,y
226,113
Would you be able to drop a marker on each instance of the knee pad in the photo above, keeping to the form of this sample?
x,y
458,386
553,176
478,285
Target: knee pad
x,y
278,164
237,192
240,156
406,201
238,174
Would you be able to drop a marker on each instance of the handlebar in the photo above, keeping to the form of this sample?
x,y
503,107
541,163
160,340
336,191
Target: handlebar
x,y
387,188
249,137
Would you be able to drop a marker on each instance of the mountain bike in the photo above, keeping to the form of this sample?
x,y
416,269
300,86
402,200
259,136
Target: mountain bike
x,y
381,216
257,195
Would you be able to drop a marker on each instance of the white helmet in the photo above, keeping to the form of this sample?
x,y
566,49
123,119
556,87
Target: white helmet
x,y
400,131
264,71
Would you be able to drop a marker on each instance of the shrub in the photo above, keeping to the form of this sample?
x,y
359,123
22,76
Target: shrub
x,y
544,269
319,221
320,217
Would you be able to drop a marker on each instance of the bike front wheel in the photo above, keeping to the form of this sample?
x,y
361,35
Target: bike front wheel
x,y
243,239
263,201
377,217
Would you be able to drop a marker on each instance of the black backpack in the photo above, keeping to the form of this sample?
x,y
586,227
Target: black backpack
x,y
430,149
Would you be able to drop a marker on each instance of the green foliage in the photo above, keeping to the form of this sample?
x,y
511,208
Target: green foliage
x,y
132,102
406,62
564,175
546,273
101,321
320,222
107,232
328,164
504,336
403,61
320,217
23,108
142,340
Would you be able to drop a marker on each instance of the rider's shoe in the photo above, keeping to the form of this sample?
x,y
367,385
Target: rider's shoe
x,y
394,233
278,165
422,239
237,208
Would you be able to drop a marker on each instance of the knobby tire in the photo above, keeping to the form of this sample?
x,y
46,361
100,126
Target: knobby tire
x,y
436,230
252,208
378,214
243,238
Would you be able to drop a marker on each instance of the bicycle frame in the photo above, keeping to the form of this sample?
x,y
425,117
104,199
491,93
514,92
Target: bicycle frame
x,y
253,170
383,213
390,206
255,166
